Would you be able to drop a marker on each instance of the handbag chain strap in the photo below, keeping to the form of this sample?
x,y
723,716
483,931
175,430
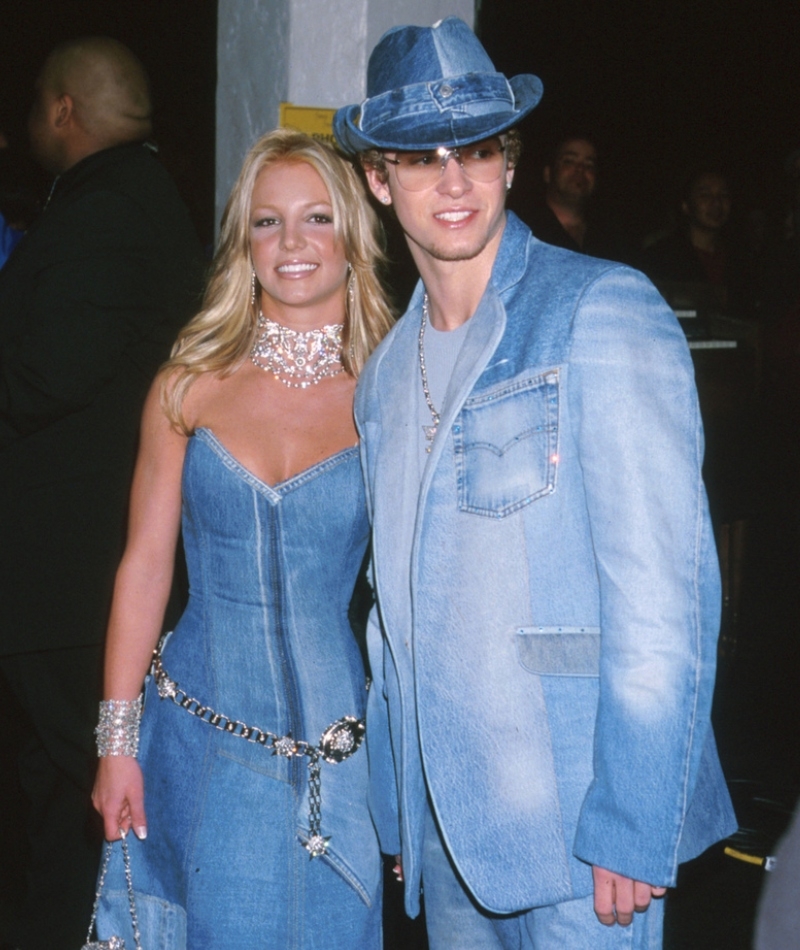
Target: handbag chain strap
x,y
129,882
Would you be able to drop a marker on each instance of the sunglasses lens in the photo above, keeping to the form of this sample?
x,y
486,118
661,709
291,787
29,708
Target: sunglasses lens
x,y
418,170
481,161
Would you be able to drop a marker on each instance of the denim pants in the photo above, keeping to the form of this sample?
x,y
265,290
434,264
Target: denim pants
x,y
454,920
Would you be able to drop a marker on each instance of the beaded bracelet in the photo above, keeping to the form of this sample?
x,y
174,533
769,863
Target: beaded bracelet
x,y
117,730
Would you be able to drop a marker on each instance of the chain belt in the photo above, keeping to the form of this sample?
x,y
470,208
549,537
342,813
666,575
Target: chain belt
x,y
338,742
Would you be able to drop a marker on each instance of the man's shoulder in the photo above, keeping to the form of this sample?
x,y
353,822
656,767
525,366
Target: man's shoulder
x,y
526,259
126,173
120,198
562,270
559,290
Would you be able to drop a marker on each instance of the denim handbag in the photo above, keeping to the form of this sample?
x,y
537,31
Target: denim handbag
x,y
113,943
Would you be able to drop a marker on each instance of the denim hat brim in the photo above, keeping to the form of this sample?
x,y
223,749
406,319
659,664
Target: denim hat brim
x,y
453,111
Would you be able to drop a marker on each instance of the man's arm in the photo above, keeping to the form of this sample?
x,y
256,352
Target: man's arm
x,y
634,409
383,783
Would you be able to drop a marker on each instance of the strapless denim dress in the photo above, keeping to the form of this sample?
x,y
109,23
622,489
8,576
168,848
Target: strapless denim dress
x,y
265,639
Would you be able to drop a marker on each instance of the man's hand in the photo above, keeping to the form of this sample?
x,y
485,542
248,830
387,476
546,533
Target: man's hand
x,y
616,897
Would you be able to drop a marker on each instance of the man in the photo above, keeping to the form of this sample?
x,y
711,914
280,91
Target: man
x,y
546,582
570,178
89,305
568,216
698,252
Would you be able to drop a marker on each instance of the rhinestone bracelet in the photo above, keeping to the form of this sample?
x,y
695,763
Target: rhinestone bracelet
x,y
117,730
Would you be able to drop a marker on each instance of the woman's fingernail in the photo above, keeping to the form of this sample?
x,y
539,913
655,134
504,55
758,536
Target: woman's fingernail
x,y
141,832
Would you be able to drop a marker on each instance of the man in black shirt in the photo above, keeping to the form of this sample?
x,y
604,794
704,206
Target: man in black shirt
x,y
568,215
90,302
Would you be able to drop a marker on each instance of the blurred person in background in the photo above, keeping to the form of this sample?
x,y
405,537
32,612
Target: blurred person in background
x,y
568,214
90,303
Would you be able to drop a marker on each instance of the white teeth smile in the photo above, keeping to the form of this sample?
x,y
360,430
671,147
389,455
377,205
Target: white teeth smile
x,y
295,268
453,215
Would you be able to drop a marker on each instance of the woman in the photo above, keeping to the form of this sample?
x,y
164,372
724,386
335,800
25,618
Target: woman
x,y
256,833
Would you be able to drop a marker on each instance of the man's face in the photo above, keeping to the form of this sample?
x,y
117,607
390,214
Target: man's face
x,y
573,174
709,203
455,218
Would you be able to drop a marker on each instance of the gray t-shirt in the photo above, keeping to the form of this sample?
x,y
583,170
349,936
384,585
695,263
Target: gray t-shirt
x,y
441,352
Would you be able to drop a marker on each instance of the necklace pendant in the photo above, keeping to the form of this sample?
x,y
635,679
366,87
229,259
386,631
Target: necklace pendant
x,y
430,434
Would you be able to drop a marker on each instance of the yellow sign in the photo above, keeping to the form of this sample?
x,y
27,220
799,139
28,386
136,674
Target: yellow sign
x,y
318,123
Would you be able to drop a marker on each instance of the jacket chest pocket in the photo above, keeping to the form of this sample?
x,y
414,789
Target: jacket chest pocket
x,y
506,446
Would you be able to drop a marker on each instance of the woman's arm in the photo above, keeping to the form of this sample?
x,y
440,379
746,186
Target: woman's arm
x,y
141,591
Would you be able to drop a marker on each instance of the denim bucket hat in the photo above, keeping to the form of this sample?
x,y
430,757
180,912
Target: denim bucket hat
x,y
431,86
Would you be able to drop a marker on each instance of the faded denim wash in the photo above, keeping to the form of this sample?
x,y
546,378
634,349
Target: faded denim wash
x,y
266,640
544,650
568,925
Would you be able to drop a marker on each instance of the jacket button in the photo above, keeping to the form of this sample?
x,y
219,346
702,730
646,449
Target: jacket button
x,y
446,91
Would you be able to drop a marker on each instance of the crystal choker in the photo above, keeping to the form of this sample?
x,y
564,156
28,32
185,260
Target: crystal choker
x,y
297,358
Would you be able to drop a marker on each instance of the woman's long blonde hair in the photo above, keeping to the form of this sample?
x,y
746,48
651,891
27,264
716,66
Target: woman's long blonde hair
x,y
220,337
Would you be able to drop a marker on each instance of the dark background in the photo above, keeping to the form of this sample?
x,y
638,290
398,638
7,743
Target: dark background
x,y
663,85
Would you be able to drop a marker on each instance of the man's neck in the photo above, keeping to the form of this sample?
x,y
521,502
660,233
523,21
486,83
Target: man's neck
x,y
570,216
704,239
455,288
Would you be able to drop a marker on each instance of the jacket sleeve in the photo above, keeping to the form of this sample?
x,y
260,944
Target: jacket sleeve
x,y
97,291
639,440
383,797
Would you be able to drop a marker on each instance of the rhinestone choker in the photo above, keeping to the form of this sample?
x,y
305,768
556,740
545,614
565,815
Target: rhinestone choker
x,y
296,358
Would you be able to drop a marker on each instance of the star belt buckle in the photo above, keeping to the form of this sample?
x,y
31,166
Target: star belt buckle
x,y
317,845
167,688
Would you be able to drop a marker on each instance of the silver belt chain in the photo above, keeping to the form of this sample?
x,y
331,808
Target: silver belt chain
x,y
338,742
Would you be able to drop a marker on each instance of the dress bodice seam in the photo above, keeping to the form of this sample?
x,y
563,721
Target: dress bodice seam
x,y
274,492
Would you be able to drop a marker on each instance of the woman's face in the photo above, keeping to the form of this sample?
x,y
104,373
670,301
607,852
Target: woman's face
x,y
299,262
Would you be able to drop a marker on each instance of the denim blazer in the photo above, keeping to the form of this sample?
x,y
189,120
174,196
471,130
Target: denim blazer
x,y
544,646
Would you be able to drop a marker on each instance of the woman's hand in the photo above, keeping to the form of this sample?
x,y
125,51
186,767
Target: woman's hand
x,y
119,796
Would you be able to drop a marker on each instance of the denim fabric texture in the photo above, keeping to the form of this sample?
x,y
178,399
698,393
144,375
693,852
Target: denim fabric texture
x,y
544,647
266,640
570,925
431,86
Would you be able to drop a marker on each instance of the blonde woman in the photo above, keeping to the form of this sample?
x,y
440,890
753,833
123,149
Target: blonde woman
x,y
247,793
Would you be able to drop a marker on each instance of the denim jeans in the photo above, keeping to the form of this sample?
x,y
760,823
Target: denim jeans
x,y
454,920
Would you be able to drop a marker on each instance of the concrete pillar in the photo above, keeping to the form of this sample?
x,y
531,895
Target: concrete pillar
x,y
307,52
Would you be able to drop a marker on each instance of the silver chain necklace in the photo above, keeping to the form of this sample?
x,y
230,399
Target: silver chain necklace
x,y
430,431
297,358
